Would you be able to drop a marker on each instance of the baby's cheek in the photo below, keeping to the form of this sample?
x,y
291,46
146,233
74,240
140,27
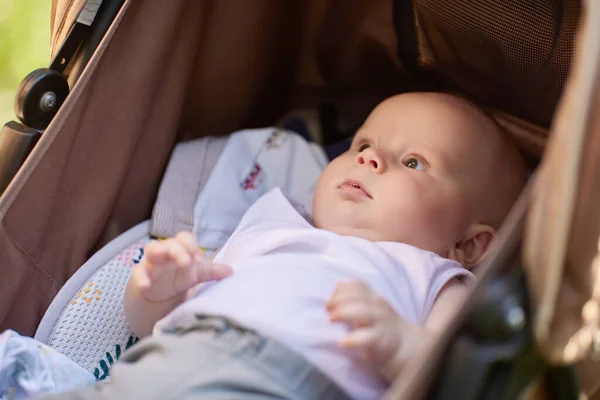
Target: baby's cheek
x,y
433,222
434,209
324,197
446,213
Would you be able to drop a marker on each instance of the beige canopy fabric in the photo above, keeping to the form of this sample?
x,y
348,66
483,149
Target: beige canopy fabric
x,y
169,71
562,249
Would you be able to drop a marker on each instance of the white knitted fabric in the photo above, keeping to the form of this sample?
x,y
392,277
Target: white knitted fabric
x,y
89,326
92,330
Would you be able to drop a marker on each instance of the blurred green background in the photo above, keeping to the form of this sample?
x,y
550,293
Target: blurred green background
x,y
24,46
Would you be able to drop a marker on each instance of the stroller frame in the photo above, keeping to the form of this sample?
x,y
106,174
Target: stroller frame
x,y
43,91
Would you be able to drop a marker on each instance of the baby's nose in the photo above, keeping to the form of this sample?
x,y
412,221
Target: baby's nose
x,y
370,157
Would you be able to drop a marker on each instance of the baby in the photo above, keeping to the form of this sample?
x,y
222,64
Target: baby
x,y
332,307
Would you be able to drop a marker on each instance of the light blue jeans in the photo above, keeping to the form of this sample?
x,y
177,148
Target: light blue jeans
x,y
211,358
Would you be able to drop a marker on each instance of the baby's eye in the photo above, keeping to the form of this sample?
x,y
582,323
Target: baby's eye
x,y
363,147
414,163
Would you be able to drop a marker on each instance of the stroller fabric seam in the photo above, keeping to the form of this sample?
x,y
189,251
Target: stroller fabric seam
x,y
22,249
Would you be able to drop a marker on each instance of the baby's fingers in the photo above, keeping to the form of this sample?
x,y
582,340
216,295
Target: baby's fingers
x,y
363,338
203,272
141,277
207,271
353,314
178,253
156,252
188,241
346,292
163,257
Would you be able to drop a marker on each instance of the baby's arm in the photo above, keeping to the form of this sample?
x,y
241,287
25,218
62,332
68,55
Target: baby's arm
x,y
385,338
417,337
165,278
446,305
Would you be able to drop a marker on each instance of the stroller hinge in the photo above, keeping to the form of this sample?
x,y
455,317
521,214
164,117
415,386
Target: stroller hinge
x,y
78,33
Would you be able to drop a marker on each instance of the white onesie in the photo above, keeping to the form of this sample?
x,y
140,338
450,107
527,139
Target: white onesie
x,y
285,270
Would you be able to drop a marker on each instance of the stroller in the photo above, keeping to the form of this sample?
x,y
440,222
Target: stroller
x,y
129,79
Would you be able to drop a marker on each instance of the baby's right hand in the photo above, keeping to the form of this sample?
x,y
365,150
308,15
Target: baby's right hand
x,y
171,267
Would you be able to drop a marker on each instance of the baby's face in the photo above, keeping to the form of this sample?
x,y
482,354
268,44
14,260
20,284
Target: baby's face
x,y
409,176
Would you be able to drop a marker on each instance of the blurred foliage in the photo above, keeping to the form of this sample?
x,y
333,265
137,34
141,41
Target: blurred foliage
x,y
24,46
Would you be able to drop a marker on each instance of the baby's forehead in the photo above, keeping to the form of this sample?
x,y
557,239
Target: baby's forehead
x,y
426,119
434,107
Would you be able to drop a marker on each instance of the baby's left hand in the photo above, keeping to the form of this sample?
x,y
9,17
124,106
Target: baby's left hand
x,y
375,328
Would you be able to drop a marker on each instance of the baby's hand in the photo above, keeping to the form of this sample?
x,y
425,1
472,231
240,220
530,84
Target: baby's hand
x,y
376,329
171,267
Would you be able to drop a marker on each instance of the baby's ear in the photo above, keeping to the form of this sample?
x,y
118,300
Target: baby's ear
x,y
471,249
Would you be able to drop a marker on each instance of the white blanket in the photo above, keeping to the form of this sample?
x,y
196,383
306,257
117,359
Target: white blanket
x,y
253,163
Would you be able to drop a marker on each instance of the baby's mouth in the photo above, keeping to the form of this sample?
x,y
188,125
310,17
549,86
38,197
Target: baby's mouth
x,y
355,186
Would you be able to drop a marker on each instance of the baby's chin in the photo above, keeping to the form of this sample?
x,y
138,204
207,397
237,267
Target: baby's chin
x,y
347,220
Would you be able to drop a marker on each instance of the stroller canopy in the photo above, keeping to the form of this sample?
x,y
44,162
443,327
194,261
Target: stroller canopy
x,y
187,68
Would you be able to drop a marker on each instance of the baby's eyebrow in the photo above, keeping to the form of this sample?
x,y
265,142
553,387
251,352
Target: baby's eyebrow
x,y
358,138
362,132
